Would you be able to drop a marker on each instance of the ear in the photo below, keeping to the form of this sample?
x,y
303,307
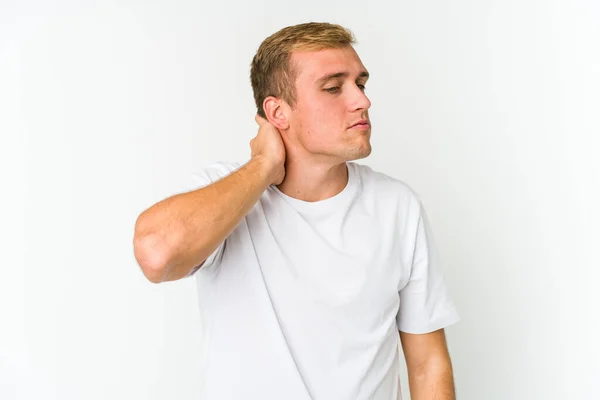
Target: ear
x,y
276,112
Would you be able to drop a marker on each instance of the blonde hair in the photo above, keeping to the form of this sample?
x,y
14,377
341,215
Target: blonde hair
x,y
271,72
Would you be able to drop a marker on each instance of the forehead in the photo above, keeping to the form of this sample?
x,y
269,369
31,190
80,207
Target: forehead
x,y
312,65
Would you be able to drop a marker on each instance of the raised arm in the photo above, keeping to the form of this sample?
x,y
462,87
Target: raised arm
x,y
181,232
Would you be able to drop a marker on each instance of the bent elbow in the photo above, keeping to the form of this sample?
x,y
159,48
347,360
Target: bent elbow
x,y
150,257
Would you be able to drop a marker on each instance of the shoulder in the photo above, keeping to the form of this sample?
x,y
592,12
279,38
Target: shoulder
x,y
210,173
217,169
220,168
385,184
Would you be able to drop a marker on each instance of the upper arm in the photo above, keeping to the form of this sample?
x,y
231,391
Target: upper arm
x,y
426,304
169,240
421,349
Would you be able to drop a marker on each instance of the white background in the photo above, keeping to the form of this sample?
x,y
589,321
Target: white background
x,y
488,109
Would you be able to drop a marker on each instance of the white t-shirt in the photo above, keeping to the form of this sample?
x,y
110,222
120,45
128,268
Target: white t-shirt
x,y
304,300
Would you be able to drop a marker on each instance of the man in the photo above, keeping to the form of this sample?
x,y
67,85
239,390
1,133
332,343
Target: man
x,y
307,264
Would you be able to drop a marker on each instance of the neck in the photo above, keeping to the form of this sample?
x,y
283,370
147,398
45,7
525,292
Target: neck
x,y
308,180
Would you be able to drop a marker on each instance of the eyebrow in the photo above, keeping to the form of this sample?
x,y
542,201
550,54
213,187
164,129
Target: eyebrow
x,y
323,79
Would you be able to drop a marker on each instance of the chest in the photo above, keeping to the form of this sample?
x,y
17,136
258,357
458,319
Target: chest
x,y
347,267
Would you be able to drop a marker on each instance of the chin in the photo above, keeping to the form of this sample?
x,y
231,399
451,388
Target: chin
x,y
364,154
363,150
358,153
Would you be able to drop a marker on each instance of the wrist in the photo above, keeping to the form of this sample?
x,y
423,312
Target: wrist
x,y
266,168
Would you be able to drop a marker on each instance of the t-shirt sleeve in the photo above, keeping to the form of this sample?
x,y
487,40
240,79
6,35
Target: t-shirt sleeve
x,y
426,304
197,180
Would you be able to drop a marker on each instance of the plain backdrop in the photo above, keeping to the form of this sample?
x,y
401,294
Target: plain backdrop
x,y
488,109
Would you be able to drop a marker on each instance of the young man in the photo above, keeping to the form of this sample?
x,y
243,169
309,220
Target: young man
x,y
307,263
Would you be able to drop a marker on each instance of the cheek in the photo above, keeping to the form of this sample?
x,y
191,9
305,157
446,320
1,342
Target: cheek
x,y
320,124
327,119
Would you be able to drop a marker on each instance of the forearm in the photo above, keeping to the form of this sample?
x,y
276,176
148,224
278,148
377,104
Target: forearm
x,y
180,232
432,381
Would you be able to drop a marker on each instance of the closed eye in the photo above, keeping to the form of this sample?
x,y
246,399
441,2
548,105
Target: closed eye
x,y
336,89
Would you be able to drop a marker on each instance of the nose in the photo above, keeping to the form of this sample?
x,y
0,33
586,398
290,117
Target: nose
x,y
359,100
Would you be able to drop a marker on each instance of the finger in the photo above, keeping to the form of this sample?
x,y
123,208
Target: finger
x,y
259,120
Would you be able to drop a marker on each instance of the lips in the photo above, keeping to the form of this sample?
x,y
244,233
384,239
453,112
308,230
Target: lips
x,y
363,123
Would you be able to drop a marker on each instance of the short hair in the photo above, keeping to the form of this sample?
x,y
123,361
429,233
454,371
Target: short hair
x,y
271,72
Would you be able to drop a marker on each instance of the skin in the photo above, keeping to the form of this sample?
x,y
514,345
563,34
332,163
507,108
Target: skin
x,y
430,374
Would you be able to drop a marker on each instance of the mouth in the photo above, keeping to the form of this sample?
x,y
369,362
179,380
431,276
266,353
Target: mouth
x,y
362,124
